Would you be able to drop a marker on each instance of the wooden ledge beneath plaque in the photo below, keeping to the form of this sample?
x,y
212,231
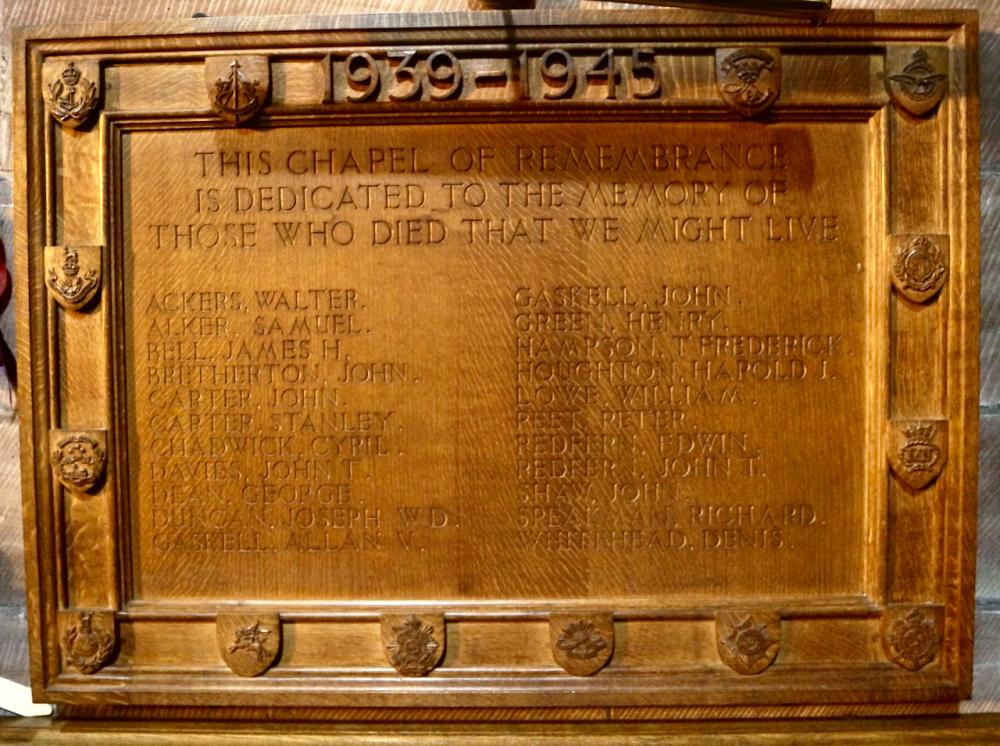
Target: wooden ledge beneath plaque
x,y
521,366
969,729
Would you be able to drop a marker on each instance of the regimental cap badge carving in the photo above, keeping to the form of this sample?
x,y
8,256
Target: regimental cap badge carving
x,y
413,643
917,79
237,85
749,78
911,635
918,450
748,642
920,266
582,643
71,90
73,274
88,638
78,457
248,643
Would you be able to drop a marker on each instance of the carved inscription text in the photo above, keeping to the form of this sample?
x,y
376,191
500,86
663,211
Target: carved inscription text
x,y
355,347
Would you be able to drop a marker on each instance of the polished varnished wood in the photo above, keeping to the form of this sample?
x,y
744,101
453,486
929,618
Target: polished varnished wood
x,y
970,730
475,338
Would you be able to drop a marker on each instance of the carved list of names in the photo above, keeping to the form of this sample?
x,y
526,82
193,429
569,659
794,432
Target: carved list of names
x,y
583,362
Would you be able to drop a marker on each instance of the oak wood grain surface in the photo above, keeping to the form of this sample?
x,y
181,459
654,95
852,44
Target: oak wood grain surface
x,y
981,729
987,687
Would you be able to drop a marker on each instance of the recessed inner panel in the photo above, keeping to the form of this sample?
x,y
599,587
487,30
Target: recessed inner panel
x,y
618,362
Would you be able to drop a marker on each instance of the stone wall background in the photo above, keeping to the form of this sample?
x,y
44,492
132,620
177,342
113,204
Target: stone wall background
x,y
13,13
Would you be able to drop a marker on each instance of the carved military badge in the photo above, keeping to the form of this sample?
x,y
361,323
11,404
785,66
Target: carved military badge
x,y
917,79
918,450
237,86
71,91
920,266
79,458
582,643
88,639
248,643
911,635
748,642
413,643
73,274
749,78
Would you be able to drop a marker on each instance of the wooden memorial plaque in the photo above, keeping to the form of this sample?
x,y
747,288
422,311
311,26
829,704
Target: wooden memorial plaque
x,y
622,364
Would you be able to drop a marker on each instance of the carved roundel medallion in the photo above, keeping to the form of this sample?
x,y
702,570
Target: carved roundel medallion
x,y
920,266
918,450
748,642
88,639
79,458
73,274
237,85
582,643
749,78
911,635
413,643
917,79
248,643
72,90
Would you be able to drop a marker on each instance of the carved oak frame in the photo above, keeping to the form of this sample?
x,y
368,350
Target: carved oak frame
x,y
69,576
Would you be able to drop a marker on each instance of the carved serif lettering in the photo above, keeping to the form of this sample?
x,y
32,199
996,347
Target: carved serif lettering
x,y
359,345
